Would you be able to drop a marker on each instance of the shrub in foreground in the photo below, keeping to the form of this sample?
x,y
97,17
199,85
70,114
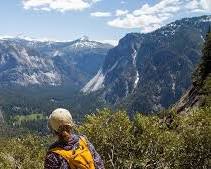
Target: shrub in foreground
x,y
146,142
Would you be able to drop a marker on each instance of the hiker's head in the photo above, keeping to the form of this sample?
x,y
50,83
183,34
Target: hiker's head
x,y
60,122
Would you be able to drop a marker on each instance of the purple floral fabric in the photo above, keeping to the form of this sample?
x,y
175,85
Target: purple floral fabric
x,y
55,161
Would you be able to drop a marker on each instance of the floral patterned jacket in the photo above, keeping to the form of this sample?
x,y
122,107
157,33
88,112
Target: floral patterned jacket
x,y
55,161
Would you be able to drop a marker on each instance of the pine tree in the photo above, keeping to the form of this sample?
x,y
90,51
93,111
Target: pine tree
x,y
204,68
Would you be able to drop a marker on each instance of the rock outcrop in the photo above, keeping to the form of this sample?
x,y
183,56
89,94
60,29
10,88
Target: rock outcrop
x,y
200,93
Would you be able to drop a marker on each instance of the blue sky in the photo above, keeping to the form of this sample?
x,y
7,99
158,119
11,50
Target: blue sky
x,y
103,20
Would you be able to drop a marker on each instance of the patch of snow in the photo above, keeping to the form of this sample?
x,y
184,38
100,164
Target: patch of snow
x,y
84,44
84,38
127,89
173,25
2,59
113,67
173,83
134,55
173,86
202,38
208,19
95,83
137,80
57,53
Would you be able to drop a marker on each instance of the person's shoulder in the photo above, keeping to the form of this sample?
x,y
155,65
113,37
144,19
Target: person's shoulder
x,y
84,137
79,136
75,136
73,140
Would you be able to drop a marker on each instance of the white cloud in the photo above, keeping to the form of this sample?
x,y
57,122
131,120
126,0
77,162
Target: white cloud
x,y
206,4
120,12
101,14
58,5
123,2
150,17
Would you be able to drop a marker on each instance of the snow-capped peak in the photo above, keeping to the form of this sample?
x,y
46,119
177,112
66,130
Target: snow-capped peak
x,y
84,42
84,38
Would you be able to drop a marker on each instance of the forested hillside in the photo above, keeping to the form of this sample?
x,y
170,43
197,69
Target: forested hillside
x,y
200,93
29,107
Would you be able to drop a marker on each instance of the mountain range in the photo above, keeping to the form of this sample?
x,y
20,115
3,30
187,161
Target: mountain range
x,y
144,72
149,72
47,63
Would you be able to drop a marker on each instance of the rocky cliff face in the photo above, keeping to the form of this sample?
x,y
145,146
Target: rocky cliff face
x,y
192,99
148,72
200,93
26,62
195,97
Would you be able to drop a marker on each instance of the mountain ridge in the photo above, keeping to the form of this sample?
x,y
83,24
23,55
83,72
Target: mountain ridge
x,y
148,70
24,62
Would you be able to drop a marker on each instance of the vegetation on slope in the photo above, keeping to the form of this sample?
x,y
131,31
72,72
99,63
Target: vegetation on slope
x,y
147,142
24,101
202,75
200,93
204,68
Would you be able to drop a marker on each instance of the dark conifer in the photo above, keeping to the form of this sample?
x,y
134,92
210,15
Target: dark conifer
x,y
204,67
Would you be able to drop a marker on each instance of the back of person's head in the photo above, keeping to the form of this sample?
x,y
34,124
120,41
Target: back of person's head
x,y
61,123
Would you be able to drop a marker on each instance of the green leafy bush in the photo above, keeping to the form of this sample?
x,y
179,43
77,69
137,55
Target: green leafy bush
x,y
111,134
149,142
23,153
144,142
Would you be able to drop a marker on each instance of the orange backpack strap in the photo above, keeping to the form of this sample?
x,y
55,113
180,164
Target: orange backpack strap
x,y
83,141
80,158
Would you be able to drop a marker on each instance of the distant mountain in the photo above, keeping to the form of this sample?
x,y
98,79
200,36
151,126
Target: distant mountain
x,y
30,62
149,72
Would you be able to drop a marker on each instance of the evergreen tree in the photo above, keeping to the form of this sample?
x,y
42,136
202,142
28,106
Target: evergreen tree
x,y
204,68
